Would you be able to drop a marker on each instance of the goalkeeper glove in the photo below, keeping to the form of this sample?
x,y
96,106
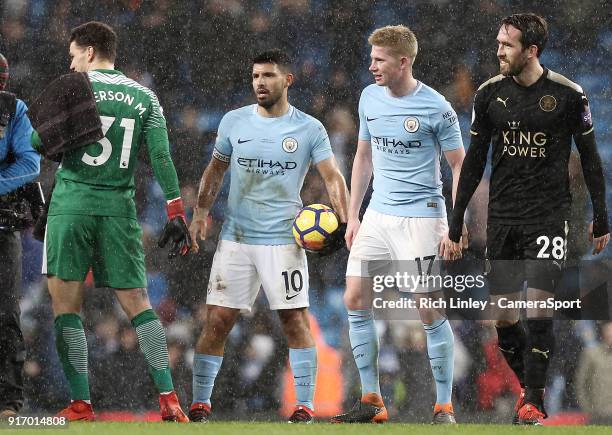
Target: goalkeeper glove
x,y
176,230
333,243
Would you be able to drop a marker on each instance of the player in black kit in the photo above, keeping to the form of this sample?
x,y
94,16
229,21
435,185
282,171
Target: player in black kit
x,y
530,114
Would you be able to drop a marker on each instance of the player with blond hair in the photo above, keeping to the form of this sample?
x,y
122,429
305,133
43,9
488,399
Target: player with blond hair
x,y
404,127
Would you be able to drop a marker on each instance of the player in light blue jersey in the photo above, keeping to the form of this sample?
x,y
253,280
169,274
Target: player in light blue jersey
x,y
405,126
269,147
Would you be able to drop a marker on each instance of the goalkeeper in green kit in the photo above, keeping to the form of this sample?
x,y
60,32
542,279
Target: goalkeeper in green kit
x,y
92,220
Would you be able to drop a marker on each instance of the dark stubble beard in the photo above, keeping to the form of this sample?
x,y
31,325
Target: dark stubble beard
x,y
514,69
270,101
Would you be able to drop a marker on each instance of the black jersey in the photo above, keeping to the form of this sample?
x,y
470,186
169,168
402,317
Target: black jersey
x,y
531,130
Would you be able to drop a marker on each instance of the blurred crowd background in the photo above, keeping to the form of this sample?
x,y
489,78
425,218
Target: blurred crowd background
x,y
196,55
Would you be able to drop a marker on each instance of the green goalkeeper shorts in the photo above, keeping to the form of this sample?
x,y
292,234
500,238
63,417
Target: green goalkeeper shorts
x,y
110,246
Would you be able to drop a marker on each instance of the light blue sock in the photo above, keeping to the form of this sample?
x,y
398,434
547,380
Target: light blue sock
x,y
440,348
304,367
364,343
205,369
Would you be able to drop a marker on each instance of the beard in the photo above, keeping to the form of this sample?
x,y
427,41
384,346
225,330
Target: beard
x,y
514,68
270,101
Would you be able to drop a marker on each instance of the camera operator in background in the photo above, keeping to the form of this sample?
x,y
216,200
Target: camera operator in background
x,y
19,165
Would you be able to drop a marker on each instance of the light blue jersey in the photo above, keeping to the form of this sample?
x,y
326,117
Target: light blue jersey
x,y
269,158
407,135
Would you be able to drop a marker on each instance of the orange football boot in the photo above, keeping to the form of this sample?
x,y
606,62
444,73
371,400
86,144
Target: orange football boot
x,y
443,414
370,409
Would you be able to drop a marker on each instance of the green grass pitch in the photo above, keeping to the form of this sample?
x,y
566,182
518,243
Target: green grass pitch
x,y
224,428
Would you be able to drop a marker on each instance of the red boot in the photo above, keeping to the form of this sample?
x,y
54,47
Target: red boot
x,y
78,410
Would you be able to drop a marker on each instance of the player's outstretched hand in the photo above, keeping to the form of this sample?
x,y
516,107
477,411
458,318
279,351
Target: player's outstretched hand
x,y
198,227
599,243
175,230
352,227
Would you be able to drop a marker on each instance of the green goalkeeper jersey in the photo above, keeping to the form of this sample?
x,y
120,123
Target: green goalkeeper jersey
x,y
98,179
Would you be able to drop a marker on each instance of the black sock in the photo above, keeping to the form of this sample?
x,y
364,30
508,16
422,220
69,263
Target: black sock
x,y
538,353
511,343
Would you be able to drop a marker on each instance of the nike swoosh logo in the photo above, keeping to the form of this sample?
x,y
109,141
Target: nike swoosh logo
x,y
371,119
243,141
362,344
291,297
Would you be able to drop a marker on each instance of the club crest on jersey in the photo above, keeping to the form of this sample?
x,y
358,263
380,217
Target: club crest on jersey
x,y
290,144
548,103
411,124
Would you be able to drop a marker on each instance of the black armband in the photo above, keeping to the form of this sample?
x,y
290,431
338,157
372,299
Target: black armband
x,y
595,181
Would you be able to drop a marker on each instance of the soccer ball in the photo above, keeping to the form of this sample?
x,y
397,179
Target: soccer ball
x,y
313,224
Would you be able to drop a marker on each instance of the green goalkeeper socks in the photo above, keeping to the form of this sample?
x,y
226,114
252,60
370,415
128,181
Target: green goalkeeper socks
x,y
72,350
152,340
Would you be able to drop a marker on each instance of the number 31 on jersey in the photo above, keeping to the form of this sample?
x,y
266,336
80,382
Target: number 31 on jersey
x,y
107,148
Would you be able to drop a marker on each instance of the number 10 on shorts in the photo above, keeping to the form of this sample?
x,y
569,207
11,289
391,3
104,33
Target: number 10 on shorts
x,y
293,283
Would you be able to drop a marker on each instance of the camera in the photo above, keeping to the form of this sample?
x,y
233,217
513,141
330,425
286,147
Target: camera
x,y
22,207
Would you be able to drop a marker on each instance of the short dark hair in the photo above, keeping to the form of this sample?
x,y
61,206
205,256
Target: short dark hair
x,y
534,29
98,35
275,56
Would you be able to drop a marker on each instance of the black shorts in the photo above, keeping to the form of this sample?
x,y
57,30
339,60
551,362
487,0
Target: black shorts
x,y
530,252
